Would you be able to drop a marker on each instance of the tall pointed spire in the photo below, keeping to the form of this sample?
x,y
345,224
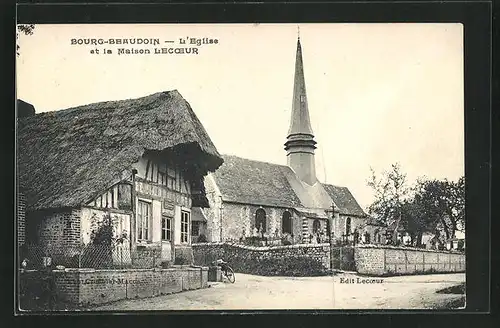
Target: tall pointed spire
x,y
300,143
300,122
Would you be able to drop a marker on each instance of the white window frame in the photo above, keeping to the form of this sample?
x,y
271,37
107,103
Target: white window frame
x,y
185,234
149,217
165,218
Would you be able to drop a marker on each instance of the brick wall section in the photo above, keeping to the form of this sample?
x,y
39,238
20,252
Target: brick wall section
x,y
387,260
21,218
59,229
58,234
91,287
315,259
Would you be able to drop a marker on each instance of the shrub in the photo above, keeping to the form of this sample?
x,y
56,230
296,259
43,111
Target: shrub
x,y
202,239
183,256
181,260
166,264
291,266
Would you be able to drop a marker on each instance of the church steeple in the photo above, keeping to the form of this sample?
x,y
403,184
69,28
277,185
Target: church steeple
x,y
300,143
300,122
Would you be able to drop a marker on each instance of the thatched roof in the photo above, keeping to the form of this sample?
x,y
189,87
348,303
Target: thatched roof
x,y
66,157
246,181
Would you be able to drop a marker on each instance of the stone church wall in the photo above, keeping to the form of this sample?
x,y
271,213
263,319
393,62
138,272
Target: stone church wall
x,y
239,220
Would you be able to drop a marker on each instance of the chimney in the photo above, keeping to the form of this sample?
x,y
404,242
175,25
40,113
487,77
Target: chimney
x,y
24,109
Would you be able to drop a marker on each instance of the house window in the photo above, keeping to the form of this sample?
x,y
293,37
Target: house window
x,y
144,211
316,226
195,228
166,228
184,226
286,222
260,220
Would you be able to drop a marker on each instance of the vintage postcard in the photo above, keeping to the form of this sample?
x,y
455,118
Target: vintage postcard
x,y
240,167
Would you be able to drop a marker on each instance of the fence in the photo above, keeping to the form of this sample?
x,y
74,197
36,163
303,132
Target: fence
x,y
96,256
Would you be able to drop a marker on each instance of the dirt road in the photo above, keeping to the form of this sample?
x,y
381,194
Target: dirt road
x,y
344,291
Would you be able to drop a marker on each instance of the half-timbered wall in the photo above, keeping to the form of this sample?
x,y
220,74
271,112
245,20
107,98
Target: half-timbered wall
x,y
162,194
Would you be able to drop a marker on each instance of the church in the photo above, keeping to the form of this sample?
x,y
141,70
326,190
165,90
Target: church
x,y
251,198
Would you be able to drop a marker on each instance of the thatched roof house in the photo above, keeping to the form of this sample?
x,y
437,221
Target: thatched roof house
x,y
67,157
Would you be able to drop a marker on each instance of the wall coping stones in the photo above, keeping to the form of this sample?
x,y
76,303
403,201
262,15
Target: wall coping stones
x,y
265,248
408,249
91,270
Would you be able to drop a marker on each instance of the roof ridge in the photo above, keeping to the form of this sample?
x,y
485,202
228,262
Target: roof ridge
x,y
253,160
79,107
329,184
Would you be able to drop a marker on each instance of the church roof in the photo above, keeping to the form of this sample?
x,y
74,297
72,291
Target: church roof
x,y
344,200
246,181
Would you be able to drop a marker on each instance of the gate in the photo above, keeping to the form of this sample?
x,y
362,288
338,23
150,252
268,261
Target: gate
x,y
342,258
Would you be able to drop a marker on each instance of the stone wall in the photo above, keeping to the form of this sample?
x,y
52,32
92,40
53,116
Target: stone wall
x,y
292,260
239,219
91,287
389,260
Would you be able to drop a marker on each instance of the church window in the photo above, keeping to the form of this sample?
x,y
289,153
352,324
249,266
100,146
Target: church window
x,y
260,220
348,226
316,226
286,222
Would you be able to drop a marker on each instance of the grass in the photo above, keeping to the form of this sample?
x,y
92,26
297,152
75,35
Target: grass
x,y
457,289
454,302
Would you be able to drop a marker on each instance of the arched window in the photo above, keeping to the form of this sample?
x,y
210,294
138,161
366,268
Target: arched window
x,y
260,220
348,226
286,222
316,226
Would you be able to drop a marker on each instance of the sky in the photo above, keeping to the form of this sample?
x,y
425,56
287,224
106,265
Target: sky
x,y
378,94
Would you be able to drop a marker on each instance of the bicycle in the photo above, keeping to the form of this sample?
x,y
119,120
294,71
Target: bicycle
x,y
226,270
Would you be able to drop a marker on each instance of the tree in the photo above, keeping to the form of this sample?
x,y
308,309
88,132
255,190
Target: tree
x,y
26,29
442,204
391,192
